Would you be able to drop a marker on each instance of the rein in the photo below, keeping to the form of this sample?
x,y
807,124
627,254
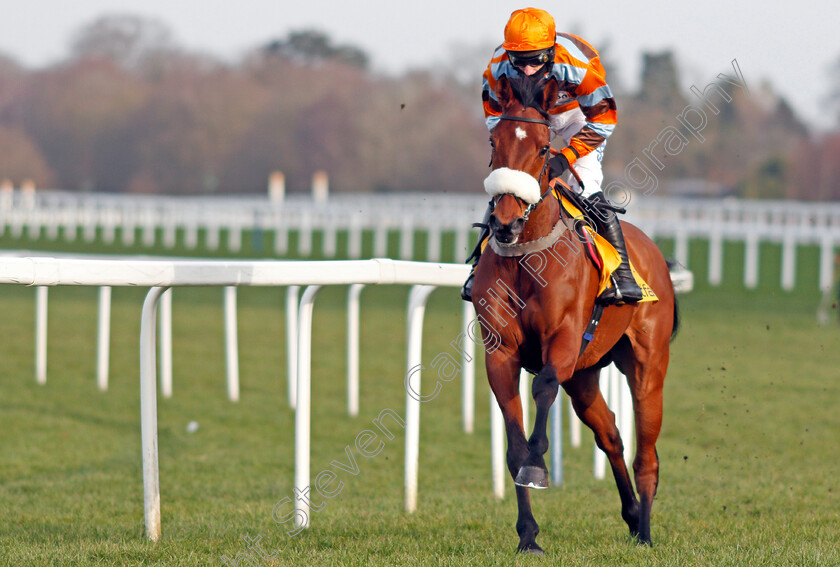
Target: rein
x,y
525,119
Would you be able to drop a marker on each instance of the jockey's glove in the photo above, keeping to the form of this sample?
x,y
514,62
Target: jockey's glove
x,y
557,166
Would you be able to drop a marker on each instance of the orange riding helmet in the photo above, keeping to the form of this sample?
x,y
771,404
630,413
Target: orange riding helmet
x,y
529,29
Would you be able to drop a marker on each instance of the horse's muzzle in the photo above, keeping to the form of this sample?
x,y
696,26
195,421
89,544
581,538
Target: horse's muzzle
x,y
506,233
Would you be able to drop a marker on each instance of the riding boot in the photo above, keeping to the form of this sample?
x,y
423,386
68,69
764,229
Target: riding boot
x,y
466,290
624,288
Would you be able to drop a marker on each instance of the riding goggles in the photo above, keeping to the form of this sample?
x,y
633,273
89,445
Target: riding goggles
x,y
530,58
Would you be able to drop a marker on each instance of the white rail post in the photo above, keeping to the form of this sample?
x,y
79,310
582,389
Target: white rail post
x,y
170,232
109,227
626,415
71,226
128,226
826,262
406,238
191,234
497,448
433,240
90,222
353,348
599,464
615,390
281,238
148,414
380,240
212,234
103,337
574,426
715,257
231,345
149,230
354,238
681,247
234,235
416,310
303,409
41,294
166,344
461,242
556,439
468,361
292,342
788,261
525,398
330,241
751,261
304,245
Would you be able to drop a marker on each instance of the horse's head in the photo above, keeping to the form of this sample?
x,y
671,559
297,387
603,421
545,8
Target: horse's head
x,y
520,146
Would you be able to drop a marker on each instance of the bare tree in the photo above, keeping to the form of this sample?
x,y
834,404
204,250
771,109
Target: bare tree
x,y
20,159
834,89
129,41
312,46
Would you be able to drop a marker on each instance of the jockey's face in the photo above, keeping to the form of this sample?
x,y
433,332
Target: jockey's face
x,y
529,70
530,62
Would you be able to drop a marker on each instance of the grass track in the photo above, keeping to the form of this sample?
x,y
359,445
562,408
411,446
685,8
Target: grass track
x,y
748,449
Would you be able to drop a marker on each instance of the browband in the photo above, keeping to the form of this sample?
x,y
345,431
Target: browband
x,y
525,119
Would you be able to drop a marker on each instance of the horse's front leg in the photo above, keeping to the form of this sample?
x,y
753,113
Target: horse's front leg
x,y
503,375
533,472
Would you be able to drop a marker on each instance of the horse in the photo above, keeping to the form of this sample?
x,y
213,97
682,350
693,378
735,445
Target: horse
x,y
536,318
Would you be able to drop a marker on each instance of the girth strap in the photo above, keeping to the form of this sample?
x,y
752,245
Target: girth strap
x,y
589,333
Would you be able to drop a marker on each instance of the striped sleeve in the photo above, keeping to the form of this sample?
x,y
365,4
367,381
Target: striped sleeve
x,y
579,71
489,82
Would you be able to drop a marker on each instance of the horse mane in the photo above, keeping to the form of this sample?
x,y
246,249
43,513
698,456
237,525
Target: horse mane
x,y
530,92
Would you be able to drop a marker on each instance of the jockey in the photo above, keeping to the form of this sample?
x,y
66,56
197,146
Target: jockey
x,y
584,116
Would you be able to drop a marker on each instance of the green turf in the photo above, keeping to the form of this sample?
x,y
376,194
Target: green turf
x,y
749,471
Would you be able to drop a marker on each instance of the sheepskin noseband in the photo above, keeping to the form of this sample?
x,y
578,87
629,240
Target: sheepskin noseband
x,y
513,181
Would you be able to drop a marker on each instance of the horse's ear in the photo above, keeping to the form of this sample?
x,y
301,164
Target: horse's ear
x,y
549,95
504,91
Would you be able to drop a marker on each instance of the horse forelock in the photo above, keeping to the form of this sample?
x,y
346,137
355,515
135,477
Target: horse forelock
x,y
529,92
518,183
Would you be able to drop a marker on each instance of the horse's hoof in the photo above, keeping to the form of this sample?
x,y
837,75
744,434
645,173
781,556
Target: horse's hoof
x,y
530,549
641,540
645,542
532,477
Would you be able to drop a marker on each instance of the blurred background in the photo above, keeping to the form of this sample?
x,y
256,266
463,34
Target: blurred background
x,y
193,98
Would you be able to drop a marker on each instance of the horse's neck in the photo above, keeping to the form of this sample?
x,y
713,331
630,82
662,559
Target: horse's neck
x,y
541,220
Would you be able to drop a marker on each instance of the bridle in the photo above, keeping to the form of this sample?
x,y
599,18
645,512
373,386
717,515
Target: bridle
x,y
545,122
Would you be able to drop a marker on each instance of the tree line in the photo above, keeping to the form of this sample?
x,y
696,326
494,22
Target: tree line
x,y
128,110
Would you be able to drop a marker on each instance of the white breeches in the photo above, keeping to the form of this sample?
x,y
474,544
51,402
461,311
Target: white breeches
x,y
567,124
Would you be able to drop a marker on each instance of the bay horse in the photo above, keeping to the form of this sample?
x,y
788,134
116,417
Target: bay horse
x,y
536,319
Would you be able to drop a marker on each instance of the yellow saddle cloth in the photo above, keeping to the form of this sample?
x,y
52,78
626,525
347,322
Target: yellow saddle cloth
x,y
610,259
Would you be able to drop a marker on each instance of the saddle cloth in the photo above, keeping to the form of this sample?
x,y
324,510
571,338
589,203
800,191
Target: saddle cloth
x,y
603,254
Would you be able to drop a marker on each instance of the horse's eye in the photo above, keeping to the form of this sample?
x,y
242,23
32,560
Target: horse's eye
x,y
543,151
492,143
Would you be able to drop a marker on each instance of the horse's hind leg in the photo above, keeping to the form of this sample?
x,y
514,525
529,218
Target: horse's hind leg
x,y
590,406
646,465
646,377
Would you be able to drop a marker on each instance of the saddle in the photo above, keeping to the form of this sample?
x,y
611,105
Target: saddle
x,y
600,252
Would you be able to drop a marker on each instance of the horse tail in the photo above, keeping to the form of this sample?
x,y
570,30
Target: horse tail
x,y
676,326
